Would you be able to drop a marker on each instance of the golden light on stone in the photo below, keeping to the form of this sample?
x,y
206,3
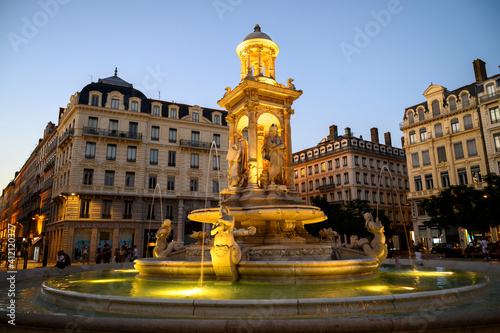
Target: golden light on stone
x,y
98,281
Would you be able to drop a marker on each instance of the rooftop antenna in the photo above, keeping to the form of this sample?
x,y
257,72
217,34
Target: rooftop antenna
x,y
91,79
159,95
116,71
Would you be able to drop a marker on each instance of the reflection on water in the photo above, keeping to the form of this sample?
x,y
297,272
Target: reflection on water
x,y
389,281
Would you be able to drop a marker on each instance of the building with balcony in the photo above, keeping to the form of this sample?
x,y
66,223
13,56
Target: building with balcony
x,y
124,163
452,138
345,167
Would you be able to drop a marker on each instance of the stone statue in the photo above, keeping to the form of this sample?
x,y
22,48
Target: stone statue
x,y
228,90
377,247
290,85
274,152
327,234
226,253
237,157
200,236
163,248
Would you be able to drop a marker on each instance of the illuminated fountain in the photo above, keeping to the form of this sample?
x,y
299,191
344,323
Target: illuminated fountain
x,y
259,236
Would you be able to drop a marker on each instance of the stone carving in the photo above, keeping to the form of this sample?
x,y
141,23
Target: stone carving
x,y
225,253
290,85
237,157
377,247
286,253
327,234
200,236
245,232
274,152
228,90
163,248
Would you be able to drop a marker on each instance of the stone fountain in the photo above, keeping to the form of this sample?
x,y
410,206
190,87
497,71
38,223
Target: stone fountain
x,y
259,230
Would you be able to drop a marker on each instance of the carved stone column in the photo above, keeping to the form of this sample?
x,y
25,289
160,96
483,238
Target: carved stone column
x,y
288,143
252,145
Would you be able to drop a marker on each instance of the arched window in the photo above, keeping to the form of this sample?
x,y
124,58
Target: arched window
x,y
453,103
435,108
465,99
421,115
410,117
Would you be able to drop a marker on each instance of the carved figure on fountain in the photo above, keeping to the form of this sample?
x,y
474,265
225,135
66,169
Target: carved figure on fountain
x,y
274,152
377,247
163,248
237,157
200,236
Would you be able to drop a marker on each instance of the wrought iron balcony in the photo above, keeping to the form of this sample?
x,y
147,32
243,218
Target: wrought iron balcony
x,y
489,97
326,187
195,144
69,133
112,133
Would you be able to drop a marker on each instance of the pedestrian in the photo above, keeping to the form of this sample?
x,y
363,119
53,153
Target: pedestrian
x,y
418,258
134,253
106,254
63,260
98,256
85,253
486,248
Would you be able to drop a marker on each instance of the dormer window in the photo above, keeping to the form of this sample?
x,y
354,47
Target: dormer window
x,y
421,115
411,120
465,99
216,119
95,100
134,106
196,116
435,108
115,103
173,113
453,104
156,110
490,90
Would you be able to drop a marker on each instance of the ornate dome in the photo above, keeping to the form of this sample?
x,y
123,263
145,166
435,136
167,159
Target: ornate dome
x,y
257,34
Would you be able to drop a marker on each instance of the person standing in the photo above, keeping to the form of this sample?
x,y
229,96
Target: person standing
x,y
418,257
485,247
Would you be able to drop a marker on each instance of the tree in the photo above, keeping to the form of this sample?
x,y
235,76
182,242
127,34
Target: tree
x,y
456,206
491,203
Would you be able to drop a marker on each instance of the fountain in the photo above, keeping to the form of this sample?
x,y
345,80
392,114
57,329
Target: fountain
x,y
261,262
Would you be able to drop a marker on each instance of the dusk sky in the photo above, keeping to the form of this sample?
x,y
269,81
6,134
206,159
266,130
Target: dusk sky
x,y
359,63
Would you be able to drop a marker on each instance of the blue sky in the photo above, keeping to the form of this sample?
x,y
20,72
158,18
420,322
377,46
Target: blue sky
x,y
359,63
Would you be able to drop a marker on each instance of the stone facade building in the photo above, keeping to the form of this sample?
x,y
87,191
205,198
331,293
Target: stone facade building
x,y
345,167
452,138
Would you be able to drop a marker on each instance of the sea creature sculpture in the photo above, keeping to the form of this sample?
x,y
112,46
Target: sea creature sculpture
x,y
200,236
327,234
377,247
163,248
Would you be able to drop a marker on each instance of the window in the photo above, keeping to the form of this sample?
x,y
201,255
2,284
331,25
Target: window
x,y
367,195
339,181
494,115
374,197
344,161
445,179
413,137
358,178
216,122
215,162
303,172
111,152
418,183
471,147
316,169
193,184
311,185
127,209
421,115
459,151
132,128
426,160
467,122
173,113
215,186
195,138
455,126
415,161
441,151
465,99
90,150
195,163
172,135
196,116
316,182
323,167
371,163
496,140
381,198
156,110
462,176
309,170
95,100
134,106
169,212
330,165
115,103
356,160
453,103
109,178
152,182
106,209
490,90
85,209
339,196
476,174
429,185
435,108
365,178
93,123
337,163
411,120
153,156
423,134
373,179
346,178
129,179
438,130
88,176
330,180
296,174
217,140
151,212
170,183
358,194
131,153
155,133
171,158
113,127
302,187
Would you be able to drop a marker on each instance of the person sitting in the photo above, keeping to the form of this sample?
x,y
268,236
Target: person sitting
x,y
63,260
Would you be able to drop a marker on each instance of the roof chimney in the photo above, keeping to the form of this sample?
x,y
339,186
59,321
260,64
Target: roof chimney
x,y
333,133
347,131
374,133
479,70
387,138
